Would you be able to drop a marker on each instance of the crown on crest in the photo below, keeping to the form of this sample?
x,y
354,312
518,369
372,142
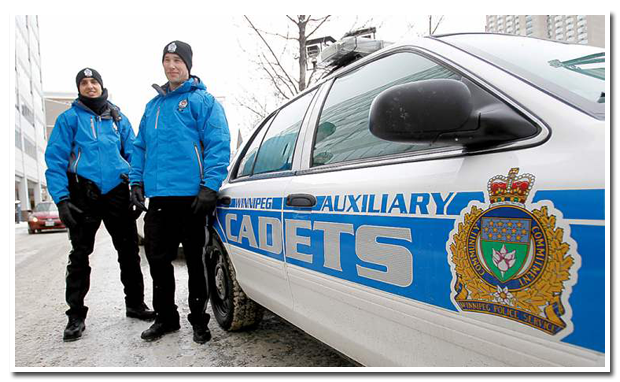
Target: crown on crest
x,y
511,189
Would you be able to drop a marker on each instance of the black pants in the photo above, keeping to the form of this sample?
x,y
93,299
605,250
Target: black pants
x,y
113,209
168,223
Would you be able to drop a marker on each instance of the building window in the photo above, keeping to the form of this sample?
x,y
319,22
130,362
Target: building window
x,y
18,139
27,113
29,148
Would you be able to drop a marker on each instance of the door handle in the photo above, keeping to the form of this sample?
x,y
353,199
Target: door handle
x,y
225,200
301,200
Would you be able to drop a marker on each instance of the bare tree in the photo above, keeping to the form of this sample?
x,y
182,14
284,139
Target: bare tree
x,y
281,60
286,84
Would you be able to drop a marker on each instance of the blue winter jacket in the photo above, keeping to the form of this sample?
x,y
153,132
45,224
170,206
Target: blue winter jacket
x,y
95,147
183,142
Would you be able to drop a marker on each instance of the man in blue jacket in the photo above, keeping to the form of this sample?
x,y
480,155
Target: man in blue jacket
x,y
88,157
180,160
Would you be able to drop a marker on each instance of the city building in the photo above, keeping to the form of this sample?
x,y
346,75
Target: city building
x,y
30,135
576,29
55,104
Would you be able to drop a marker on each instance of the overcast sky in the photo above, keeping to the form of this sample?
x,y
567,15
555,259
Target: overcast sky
x,y
128,54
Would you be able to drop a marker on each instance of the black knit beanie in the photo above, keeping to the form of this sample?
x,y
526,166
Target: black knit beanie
x,y
88,73
183,50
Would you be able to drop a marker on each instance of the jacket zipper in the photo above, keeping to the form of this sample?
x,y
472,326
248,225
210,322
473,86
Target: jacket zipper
x,y
76,164
199,162
157,118
92,126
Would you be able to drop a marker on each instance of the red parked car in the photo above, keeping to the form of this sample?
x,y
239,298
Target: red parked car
x,y
44,216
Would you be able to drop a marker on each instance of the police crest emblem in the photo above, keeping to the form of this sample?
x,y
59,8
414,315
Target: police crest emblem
x,y
182,105
513,259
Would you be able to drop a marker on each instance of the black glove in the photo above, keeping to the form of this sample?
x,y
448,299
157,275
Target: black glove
x,y
66,216
137,199
205,202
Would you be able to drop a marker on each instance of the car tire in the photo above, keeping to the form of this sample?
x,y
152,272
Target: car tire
x,y
232,308
31,231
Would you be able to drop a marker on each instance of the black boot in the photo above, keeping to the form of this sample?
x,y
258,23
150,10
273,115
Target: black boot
x,y
141,312
202,334
200,323
159,329
74,329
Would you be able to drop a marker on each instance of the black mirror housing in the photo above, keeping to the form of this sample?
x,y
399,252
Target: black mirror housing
x,y
420,111
445,111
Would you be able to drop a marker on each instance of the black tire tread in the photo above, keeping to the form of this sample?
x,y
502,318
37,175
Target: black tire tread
x,y
247,314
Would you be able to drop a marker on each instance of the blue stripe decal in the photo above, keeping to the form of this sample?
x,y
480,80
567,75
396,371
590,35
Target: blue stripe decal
x,y
247,236
588,297
431,273
461,200
576,204
265,203
422,252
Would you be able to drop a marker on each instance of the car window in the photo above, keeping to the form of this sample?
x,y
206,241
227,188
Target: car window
x,y
575,73
276,150
45,207
247,162
342,132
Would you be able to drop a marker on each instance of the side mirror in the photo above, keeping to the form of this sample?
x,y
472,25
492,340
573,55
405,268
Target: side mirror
x,y
444,111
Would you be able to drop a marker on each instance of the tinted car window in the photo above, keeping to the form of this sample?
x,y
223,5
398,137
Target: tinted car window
x,y
247,162
276,151
575,73
342,133
45,207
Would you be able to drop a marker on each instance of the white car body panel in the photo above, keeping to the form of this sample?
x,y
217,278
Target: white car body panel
x,y
359,314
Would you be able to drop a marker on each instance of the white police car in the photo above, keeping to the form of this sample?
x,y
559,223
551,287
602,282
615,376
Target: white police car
x,y
436,203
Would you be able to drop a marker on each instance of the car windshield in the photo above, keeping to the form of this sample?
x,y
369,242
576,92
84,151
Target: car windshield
x,y
45,207
571,72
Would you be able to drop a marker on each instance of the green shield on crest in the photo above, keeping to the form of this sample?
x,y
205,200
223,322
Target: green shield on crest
x,y
505,243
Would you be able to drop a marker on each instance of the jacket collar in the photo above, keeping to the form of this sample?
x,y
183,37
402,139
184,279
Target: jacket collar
x,y
112,111
191,84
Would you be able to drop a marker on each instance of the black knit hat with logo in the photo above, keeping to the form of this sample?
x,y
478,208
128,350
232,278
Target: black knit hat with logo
x,y
88,73
182,49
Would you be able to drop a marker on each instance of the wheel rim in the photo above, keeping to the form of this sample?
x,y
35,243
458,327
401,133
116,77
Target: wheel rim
x,y
221,303
220,281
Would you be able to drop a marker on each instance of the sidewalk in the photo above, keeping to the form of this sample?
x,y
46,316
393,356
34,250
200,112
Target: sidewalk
x,y
21,225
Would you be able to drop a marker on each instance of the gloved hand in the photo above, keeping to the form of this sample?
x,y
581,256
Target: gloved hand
x,y
205,201
65,208
137,199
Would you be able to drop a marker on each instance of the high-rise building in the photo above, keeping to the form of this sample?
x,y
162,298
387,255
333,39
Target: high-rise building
x,y
30,136
576,29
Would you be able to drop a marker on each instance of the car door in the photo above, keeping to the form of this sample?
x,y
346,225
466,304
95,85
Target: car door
x,y
250,219
382,266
